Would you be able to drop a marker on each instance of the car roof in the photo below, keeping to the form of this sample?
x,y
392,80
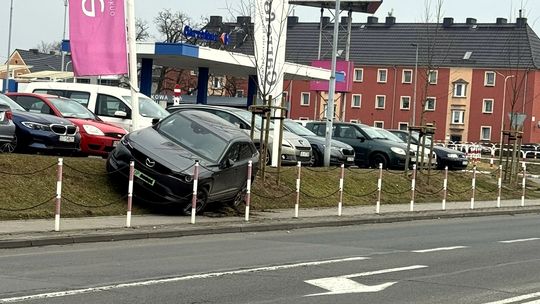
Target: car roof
x,y
211,121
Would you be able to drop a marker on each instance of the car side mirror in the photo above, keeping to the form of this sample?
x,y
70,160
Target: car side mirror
x,y
155,121
362,138
227,163
120,114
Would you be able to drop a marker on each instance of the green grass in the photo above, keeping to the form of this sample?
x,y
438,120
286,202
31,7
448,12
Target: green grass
x,y
89,191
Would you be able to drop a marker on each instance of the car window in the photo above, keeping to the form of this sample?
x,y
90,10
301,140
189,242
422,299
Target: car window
x,y
107,105
297,129
148,107
229,117
319,129
9,102
71,109
245,151
346,132
80,97
233,153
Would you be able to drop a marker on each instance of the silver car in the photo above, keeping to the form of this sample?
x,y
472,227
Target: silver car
x,y
7,128
294,148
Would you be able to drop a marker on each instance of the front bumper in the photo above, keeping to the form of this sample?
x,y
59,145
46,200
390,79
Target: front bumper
x,y
49,141
342,156
291,156
98,145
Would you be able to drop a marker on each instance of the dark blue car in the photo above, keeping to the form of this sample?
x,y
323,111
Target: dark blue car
x,y
42,132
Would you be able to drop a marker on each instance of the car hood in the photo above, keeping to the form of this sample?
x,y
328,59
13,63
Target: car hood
x,y
162,150
40,118
439,149
319,140
103,126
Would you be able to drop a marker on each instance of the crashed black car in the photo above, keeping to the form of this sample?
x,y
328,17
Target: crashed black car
x,y
165,155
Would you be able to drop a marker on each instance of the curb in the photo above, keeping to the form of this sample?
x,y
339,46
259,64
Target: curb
x,y
121,234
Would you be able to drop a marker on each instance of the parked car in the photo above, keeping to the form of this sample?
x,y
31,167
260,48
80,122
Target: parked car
x,y
42,132
165,154
7,129
454,159
112,104
97,137
370,147
340,153
294,148
427,154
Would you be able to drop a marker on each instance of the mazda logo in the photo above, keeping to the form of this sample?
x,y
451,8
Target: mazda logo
x,y
150,163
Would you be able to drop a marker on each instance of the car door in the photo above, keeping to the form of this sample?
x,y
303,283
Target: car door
x,y
230,179
112,109
351,135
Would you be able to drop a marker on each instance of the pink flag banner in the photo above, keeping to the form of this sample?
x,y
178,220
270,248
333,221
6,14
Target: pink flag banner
x,y
97,35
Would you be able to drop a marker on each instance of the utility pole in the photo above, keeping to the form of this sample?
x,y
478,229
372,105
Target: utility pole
x,y
132,50
415,84
6,89
64,36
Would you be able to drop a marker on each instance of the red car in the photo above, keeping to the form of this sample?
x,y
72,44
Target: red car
x,y
97,137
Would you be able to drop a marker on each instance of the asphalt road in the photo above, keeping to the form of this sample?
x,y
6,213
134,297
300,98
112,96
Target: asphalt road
x,y
492,260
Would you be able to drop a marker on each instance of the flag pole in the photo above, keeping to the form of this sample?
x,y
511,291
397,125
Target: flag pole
x,y
132,51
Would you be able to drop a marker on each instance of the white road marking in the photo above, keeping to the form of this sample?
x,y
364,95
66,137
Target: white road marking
x,y
519,299
439,249
173,279
519,240
344,284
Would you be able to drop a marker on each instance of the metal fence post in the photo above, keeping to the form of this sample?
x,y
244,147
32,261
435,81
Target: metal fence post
x,y
248,190
379,188
523,184
413,186
341,182
194,197
130,193
58,194
445,188
473,184
499,186
297,204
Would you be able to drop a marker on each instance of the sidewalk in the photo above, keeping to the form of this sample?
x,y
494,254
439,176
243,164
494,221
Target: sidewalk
x,y
27,233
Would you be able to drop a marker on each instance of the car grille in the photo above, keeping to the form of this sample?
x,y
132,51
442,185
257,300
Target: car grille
x,y
63,130
347,152
114,135
300,148
141,161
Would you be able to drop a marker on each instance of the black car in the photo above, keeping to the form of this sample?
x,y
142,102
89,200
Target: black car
x,y
454,159
370,147
165,155
340,152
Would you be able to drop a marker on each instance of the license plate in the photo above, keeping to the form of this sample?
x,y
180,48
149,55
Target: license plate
x,y
145,178
115,143
304,154
66,138
465,162
350,159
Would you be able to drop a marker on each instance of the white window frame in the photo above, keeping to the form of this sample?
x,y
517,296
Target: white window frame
x,y
240,91
308,94
434,104
359,99
486,83
484,105
436,72
482,133
378,122
463,90
361,79
353,121
377,101
461,118
401,107
406,124
403,76
379,78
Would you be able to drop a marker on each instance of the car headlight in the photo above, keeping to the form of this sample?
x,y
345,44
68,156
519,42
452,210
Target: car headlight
x,y
36,126
452,155
92,130
286,143
398,150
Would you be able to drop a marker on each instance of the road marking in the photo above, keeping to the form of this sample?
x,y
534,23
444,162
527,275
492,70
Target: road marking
x,y
173,279
439,249
519,240
344,284
519,299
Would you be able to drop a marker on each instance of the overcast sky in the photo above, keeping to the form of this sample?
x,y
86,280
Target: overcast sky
x,y
42,20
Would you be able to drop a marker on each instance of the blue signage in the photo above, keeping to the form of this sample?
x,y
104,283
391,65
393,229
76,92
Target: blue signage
x,y
205,35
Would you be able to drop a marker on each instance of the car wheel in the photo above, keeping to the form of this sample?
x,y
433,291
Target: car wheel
x,y
202,200
240,198
268,158
316,159
377,159
9,147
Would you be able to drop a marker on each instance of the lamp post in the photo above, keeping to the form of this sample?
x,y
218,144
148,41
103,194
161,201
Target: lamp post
x,y
6,89
502,113
64,35
415,83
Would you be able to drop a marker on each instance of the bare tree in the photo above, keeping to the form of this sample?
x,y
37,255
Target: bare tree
x,y
141,27
48,47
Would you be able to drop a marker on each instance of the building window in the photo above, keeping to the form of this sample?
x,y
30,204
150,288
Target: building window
x,y
216,83
239,93
432,76
458,117
485,133
460,89
489,79
430,104
405,103
304,99
407,76
487,106
354,120
382,75
358,75
356,101
378,124
380,101
403,126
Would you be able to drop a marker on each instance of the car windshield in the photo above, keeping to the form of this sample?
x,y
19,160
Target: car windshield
x,y
246,116
71,109
416,137
12,104
372,133
389,135
195,137
297,129
149,108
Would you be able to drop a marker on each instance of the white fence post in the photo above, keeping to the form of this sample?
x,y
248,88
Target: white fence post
x,y
523,184
194,197
473,187
58,194
445,188
297,204
341,182
413,186
248,190
130,193
379,188
499,187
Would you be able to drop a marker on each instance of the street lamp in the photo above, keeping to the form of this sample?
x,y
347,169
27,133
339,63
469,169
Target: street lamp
x,y
415,83
64,35
502,112
6,89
